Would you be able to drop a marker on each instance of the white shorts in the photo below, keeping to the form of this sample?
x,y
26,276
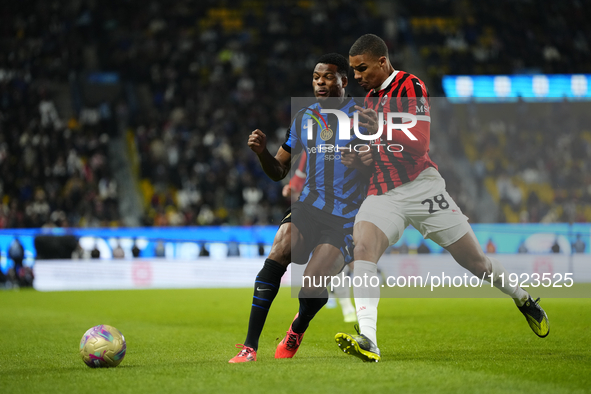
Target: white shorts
x,y
424,203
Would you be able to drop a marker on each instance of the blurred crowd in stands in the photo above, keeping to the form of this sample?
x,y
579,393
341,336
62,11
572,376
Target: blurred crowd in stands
x,y
206,73
532,159
53,171
233,72
501,37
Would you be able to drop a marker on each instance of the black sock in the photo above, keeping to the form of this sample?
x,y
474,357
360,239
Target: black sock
x,y
308,309
266,286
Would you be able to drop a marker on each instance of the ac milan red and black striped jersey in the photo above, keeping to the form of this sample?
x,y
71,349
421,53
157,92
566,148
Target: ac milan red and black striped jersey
x,y
404,93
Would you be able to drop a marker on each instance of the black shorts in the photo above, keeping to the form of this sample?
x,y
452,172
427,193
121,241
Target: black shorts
x,y
318,228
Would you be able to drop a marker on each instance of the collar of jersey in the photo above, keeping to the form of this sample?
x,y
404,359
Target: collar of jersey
x,y
346,102
387,82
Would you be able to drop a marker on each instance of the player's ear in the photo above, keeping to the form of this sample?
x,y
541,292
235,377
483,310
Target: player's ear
x,y
345,81
382,61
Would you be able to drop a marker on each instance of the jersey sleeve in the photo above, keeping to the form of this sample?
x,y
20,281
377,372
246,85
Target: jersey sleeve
x,y
413,98
292,142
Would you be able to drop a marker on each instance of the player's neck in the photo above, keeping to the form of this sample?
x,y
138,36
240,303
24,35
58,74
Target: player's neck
x,y
387,74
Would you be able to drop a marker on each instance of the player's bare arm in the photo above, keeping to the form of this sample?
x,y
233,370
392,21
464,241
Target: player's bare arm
x,y
276,167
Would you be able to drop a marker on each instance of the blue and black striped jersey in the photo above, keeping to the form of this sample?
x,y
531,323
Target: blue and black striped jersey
x,y
329,185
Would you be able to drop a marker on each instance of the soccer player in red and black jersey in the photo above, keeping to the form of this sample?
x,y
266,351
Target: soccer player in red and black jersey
x,y
406,188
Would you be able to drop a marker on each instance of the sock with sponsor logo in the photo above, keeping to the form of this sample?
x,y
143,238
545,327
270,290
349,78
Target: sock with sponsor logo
x,y
309,307
367,297
502,283
266,286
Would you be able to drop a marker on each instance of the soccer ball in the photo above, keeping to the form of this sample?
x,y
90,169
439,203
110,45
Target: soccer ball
x,y
102,347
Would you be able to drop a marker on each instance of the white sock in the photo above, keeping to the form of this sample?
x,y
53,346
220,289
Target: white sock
x,y
346,306
517,293
366,297
343,294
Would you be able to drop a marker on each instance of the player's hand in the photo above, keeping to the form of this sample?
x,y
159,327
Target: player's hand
x,y
348,158
366,158
286,192
257,141
368,118
352,159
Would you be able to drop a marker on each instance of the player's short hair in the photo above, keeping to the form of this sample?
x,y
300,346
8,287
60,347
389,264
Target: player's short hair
x,y
370,44
336,59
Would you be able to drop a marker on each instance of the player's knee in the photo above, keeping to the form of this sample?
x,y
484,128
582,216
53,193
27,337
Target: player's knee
x,y
478,266
281,256
281,252
363,251
282,245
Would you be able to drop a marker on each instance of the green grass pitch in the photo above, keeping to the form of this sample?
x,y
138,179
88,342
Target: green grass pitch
x,y
181,341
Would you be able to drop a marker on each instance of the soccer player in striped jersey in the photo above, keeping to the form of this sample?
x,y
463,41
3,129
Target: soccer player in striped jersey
x,y
406,188
321,221
341,291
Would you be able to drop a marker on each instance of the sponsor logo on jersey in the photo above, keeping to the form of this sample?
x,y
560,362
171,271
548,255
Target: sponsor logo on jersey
x,y
423,108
